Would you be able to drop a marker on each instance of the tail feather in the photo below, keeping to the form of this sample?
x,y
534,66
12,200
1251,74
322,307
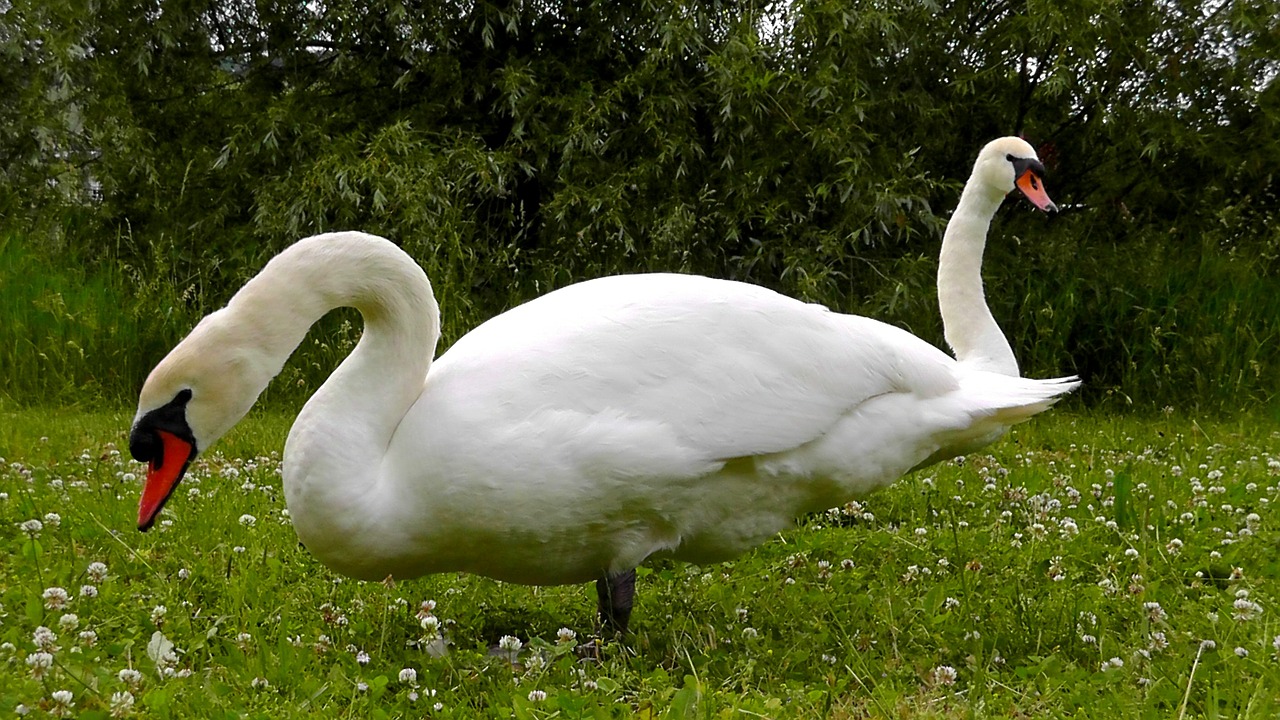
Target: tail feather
x,y
1010,400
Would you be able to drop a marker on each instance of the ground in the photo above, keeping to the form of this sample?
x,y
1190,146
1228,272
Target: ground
x,y
1086,565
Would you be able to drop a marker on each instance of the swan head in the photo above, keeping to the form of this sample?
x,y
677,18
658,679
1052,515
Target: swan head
x,y
1011,163
195,395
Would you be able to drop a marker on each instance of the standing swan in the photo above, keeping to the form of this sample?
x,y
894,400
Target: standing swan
x,y
573,437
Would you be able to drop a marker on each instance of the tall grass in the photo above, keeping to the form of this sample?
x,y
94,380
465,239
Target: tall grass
x,y
1147,324
86,332
78,333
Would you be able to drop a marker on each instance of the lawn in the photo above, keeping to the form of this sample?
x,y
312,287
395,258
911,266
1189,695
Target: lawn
x,y
1090,566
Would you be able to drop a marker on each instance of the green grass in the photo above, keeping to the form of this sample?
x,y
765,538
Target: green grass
x,y
953,567
1145,325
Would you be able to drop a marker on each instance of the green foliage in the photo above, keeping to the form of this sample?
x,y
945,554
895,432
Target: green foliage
x,y
1107,568
812,146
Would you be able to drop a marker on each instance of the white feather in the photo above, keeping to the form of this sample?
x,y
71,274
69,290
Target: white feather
x,y
595,427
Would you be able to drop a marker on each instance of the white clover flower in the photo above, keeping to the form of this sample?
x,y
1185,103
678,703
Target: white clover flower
x,y
1088,639
921,532
31,527
950,603
1114,662
1131,552
431,624
259,683
121,703
183,573
157,614
565,636
537,696
88,638
237,549
1154,611
69,621
750,633
248,520
167,660
1208,645
362,657
88,591
53,520
40,663
409,676
509,643
62,699
362,686
55,598
1241,652
45,639
97,572
130,677
535,664
944,675
1158,642
1246,609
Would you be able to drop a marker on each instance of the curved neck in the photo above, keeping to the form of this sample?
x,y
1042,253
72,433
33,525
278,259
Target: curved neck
x,y
970,329
334,449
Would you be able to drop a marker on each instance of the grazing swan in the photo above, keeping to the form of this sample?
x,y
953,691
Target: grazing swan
x,y
614,420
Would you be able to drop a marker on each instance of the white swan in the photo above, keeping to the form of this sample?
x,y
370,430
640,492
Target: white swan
x,y
573,437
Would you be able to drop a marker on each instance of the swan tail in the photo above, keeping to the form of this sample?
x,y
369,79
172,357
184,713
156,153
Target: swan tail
x,y
1010,400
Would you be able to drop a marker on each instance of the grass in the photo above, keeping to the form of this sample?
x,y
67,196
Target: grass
x,y
1145,325
1086,567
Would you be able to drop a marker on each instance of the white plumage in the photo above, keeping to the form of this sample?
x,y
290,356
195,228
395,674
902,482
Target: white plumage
x,y
577,435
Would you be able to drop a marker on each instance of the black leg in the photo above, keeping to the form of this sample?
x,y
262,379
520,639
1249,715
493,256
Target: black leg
x,y
615,593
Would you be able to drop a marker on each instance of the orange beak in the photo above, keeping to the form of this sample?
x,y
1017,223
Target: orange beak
x,y
163,475
1030,185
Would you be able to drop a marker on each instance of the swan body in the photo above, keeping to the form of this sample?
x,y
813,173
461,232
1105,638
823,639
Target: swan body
x,y
575,436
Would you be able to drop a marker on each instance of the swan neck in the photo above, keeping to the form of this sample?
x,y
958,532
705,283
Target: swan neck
x,y
970,328
337,443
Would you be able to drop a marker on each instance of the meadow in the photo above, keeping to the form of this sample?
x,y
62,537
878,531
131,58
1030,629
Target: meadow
x,y
1086,565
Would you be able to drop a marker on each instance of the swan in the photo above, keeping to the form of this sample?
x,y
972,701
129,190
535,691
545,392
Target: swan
x,y
611,421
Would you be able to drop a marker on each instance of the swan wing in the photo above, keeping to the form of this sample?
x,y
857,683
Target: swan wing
x,y
727,369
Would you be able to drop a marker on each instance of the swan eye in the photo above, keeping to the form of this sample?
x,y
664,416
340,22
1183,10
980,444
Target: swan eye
x,y
144,439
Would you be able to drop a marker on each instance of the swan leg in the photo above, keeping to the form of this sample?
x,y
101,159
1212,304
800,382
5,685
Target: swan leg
x,y
615,592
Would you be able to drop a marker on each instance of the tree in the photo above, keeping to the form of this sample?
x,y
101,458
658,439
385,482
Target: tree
x,y
814,146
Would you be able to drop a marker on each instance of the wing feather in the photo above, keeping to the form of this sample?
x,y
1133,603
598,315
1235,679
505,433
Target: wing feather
x,y
728,369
